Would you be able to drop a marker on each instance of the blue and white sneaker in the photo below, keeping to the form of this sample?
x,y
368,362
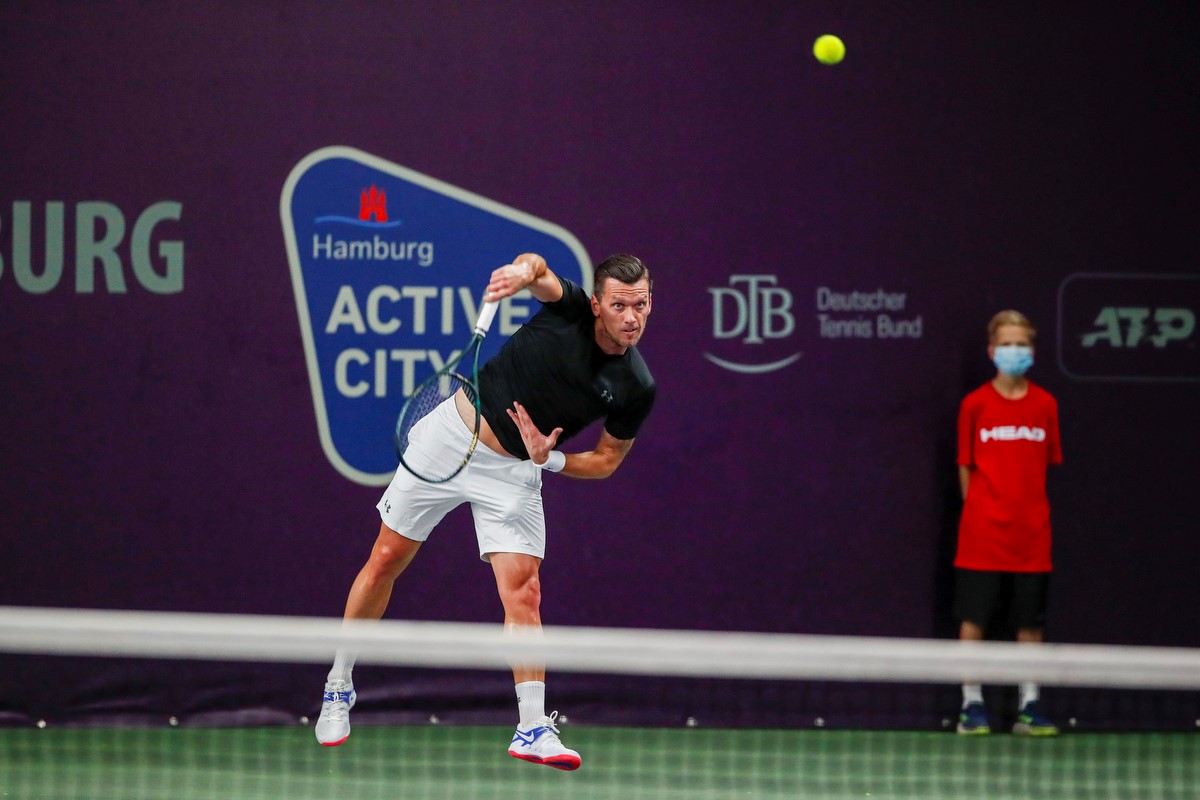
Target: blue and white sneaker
x,y
973,720
333,726
538,742
1030,722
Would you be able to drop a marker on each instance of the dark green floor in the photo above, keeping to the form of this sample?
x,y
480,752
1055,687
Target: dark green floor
x,y
470,762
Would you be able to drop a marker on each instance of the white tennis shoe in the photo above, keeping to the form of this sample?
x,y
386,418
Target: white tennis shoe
x,y
333,726
538,742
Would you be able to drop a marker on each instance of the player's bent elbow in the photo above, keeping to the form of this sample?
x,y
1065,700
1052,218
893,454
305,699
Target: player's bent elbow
x,y
608,467
596,469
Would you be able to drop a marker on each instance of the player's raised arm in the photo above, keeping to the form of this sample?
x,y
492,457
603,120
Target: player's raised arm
x,y
527,271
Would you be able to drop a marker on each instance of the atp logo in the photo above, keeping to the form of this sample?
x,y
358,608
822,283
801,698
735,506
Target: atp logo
x,y
1129,327
388,268
756,311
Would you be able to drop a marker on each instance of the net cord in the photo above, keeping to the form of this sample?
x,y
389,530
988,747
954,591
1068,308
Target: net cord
x,y
237,637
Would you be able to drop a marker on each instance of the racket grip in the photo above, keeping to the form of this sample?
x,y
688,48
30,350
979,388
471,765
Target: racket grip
x,y
486,314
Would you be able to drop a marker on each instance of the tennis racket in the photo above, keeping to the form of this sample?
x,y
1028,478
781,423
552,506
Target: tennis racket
x,y
432,392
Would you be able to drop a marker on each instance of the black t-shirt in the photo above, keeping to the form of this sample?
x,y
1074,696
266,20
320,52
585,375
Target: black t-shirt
x,y
553,366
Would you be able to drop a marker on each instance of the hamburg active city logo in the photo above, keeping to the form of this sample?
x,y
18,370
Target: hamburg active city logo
x,y
388,268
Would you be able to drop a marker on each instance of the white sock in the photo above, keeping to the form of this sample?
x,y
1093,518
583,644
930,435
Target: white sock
x,y
343,666
1029,693
531,700
972,693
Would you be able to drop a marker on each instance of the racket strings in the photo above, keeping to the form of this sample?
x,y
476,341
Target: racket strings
x,y
424,400
424,462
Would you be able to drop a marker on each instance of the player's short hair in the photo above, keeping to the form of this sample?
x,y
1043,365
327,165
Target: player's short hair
x,y
622,267
1010,317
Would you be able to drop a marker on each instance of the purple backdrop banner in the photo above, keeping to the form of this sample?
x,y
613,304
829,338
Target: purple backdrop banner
x,y
828,244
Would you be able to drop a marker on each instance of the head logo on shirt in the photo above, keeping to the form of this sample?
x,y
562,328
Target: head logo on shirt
x,y
1012,433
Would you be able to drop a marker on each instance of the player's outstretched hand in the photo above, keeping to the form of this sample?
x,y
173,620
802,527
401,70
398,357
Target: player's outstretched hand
x,y
537,443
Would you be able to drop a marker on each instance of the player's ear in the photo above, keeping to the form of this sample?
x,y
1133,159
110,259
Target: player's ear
x,y
595,306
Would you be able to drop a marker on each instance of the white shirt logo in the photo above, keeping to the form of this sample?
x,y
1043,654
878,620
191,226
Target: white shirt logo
x,y
1012,433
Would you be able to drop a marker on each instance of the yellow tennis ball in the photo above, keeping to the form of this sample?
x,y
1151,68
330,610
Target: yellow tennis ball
x,y
829,49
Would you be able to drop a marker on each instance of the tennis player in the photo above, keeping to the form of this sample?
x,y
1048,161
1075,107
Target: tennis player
x,y
574,362
1007,435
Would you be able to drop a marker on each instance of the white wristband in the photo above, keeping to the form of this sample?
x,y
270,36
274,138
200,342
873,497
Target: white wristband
x,y
554,462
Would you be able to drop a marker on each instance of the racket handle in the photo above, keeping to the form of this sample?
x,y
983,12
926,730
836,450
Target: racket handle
x,y
485,317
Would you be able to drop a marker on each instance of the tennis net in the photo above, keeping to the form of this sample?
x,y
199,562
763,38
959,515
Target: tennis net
x,y
105,704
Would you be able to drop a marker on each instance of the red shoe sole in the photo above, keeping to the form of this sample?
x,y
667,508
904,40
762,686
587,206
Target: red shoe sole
x,y
567,763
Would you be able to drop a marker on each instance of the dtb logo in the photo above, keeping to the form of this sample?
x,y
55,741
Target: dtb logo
x,y
388,268
1129,327
752,311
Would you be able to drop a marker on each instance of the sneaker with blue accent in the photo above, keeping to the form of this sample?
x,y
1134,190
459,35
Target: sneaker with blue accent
x,y
333,726
1030,722
538,742
973,720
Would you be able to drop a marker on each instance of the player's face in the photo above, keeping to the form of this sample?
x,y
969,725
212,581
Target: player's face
x,y
621,313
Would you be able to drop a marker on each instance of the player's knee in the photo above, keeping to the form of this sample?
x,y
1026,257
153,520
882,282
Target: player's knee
x,y
388,559
525,594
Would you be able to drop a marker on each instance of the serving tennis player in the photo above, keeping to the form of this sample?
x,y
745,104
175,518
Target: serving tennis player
x,y
574,362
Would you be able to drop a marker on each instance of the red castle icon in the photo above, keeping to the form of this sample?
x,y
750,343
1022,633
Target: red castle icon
x,y
373,204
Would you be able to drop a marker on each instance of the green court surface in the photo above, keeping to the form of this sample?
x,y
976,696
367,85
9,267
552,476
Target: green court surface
x,y
447,762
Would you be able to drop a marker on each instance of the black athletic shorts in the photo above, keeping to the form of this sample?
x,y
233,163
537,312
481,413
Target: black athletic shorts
x,y
980,596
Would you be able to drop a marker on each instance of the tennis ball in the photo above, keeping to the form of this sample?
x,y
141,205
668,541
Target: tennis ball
x,y
829,49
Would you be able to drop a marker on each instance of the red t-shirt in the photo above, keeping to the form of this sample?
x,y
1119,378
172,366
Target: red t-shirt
x,y
1005,523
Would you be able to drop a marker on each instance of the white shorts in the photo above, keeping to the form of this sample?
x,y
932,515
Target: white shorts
x,y
505,493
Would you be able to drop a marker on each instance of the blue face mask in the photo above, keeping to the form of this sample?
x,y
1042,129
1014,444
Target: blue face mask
x,y
1013,359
